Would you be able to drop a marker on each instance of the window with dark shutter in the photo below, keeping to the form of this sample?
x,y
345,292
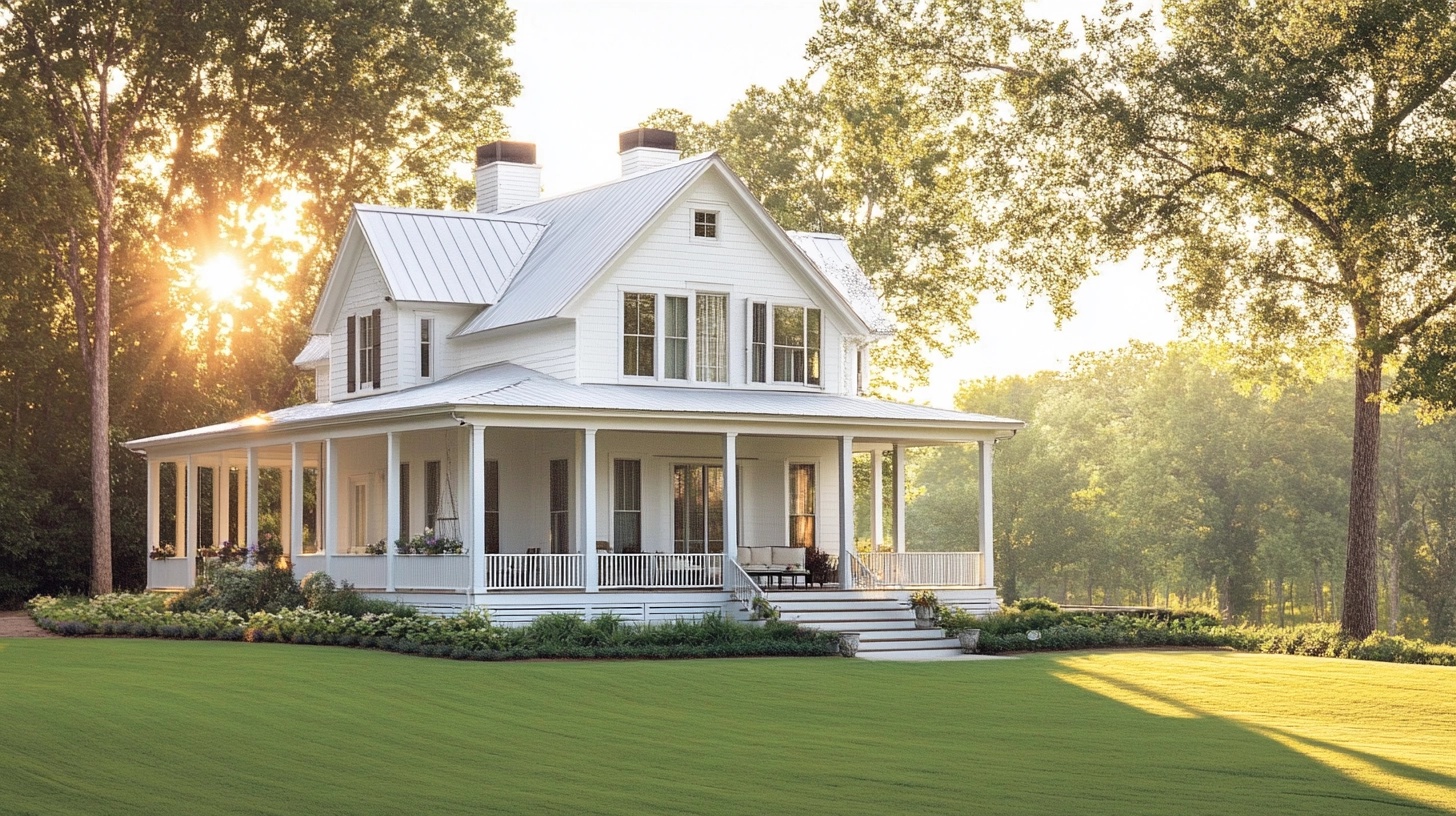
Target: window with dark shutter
x,y
758,349
353,349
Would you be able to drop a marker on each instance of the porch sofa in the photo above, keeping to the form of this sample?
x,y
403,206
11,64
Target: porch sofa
x,y
775,565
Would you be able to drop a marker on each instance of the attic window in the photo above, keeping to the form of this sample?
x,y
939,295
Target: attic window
x,y
705,224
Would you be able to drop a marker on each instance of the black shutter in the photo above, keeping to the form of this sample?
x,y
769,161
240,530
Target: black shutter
x,y
378,347
353,362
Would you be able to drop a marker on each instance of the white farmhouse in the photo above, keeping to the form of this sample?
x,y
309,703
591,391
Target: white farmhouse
x,y
642,398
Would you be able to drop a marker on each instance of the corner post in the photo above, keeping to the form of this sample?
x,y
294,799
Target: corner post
x,y
589,557
730,505
250,537
477,509
988,558
877,498
295,503
898,487
188,546
329,506
846,511
391,504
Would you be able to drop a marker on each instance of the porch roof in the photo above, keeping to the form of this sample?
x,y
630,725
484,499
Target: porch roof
x,y
510,386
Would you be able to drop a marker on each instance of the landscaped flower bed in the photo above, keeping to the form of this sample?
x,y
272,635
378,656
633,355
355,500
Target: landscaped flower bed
x,y
1038,625
467,636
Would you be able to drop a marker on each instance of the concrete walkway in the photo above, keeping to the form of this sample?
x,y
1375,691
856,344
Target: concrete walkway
x,y
19,624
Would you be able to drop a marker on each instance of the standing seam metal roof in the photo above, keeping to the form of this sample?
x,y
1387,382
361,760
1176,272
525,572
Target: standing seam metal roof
x,y
446,257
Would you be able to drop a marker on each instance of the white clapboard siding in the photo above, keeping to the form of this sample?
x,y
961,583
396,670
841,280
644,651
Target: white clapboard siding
x,y
366,293
549,349
671,260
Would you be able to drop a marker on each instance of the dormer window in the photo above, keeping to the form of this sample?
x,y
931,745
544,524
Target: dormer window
x,y
705,224
427,348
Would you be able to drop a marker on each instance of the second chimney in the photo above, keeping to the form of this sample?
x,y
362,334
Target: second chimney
x,y
506,176
647,149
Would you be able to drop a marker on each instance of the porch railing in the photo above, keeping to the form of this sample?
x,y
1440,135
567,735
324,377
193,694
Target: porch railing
x,y
862,575
167,573
537,571
363,571
304,564
922,569
659,570
432,571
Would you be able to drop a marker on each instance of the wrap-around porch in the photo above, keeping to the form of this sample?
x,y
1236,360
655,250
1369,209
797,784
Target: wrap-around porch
x,y
530,509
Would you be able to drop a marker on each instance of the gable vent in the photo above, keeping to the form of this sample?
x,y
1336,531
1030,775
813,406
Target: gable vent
x,y
506,176
647,149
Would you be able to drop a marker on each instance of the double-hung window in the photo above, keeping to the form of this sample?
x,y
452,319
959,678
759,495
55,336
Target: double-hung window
x,y
796,337
362,336
427,348
675,338
801,505
627,505
639,333
492,506
712,337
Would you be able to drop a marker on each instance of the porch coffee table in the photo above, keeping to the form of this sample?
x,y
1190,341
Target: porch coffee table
x,y
762,576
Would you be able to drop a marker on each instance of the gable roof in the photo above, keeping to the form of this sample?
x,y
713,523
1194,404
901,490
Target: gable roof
x,y
315,352
434,256
831,256
588,229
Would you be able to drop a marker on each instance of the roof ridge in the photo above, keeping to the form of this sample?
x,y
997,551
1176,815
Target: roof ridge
x,y
422,212
608,183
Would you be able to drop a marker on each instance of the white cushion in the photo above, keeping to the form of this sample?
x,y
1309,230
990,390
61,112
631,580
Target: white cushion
x,y
752,556
792,557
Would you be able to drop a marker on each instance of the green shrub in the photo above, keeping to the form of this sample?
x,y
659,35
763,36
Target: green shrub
x,y
1029,604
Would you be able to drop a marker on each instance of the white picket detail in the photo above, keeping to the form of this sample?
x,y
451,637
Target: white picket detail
x,y
363,571
541,571
431,571
659,570
167,573
925,569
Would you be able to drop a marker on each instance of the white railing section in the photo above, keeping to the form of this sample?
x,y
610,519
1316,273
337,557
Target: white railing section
x,y
860,573
167,573
533,571
923,569
659,570
304,564
743,587
431,571
363,571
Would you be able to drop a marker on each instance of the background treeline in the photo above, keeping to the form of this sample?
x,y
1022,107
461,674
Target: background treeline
x,y
1152,475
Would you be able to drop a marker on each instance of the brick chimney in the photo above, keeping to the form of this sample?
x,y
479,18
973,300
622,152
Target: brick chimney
x,y
506,176
646,149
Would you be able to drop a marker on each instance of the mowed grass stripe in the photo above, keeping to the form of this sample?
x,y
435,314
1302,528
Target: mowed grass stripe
x,y
149,726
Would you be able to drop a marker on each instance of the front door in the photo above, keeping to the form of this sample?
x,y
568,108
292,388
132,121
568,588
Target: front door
x,y
697,508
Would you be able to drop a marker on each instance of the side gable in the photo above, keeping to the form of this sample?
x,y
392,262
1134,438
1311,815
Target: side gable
x,y
341,277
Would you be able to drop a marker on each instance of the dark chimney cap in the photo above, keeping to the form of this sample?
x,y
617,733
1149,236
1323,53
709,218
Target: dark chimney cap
x,y
647,137
512,152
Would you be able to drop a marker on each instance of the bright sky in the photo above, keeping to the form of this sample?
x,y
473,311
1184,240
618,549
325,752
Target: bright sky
x,y
593,68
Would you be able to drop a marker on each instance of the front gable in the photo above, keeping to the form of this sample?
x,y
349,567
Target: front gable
x,y
746,260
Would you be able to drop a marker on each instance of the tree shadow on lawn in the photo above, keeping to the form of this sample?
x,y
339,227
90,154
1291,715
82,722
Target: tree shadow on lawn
x,y
1415,786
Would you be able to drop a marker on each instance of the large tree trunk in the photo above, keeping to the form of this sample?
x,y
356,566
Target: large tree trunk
x,y
101,410
1361,595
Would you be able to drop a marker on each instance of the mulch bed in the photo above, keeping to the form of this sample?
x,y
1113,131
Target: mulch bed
x,y
19,624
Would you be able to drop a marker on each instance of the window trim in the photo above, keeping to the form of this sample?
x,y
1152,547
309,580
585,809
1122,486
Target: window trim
x,y
622,335
616,498
711,224
789,514
429,366
769,344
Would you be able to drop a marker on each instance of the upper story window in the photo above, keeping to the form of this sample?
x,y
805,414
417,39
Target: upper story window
x,y
705,224
364,349
639,333
712,337
795,335
427,348
675,338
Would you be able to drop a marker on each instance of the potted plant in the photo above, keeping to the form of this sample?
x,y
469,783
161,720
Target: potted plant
x,y
926,606
762,610
162,552
848,643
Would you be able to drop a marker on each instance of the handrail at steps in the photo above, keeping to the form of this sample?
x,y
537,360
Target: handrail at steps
x,y
742,585
862,575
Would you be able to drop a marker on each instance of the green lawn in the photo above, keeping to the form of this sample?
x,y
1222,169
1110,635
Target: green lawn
x,y
149,726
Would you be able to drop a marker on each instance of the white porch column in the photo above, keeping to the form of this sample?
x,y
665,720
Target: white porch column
x,y
223,501
154,506
877,498
589,509
179,500
730,505
988,558
285,508
391,504
295,502
477,509
188,546
250,528
898,487
328,505
846,511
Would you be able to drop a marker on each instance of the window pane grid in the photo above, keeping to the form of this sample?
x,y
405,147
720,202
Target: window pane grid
x,y
801,505
627,505
759,362
675,337
639,332
712,338
492,506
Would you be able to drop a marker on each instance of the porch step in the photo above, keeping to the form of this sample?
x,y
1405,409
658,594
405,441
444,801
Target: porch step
x,y
884,622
